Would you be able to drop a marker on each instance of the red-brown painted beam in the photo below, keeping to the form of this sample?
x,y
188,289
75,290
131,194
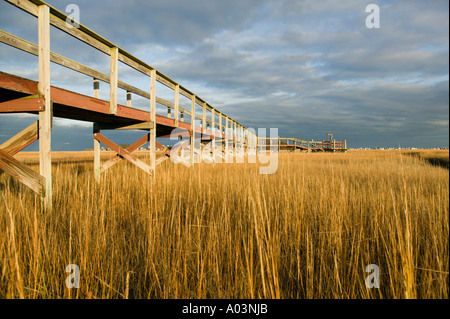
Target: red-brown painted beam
x,y
18,84
22,105
64,101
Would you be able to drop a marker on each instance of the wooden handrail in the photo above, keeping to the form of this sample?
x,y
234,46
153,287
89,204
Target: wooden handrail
x,y
58,19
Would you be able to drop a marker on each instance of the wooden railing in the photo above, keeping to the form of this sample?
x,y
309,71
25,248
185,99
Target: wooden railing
x,y
58,20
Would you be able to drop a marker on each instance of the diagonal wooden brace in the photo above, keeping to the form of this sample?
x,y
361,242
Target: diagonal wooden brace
x,y
22,173
122,152
21,140
131,149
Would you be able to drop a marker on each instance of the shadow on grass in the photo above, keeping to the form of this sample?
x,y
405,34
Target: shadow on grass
x,y
442,162
435,161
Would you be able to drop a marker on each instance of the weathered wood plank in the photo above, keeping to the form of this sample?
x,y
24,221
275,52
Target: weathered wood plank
x,y
113,80
17,84
117,126
162,147
161,159
21,140
192,151
122,152
22,173
143,140
45,116
27,104
204,116
176,104
81,34
153,119
26,6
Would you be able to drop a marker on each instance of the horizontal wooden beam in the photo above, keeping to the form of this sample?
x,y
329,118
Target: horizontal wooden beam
x,y
32,103
118,126
18,84
22,173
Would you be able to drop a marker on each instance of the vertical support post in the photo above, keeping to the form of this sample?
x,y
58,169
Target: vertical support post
x,y
113,80
176,104
233,124
97,164
192,129
128,98
213,132
169,112
45,116
220,130
153,120
227,143
220,125
345,144
204,117
238,142
96,88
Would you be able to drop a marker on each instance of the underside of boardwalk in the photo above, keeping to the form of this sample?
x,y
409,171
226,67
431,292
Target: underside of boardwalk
x,y
223,136
19,95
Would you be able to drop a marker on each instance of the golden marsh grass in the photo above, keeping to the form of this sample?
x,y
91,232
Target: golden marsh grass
x,y
224,231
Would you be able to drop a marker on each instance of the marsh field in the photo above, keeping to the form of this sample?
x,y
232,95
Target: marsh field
x,y
225,231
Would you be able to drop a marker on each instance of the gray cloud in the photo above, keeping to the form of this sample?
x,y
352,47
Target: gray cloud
x,y
306,67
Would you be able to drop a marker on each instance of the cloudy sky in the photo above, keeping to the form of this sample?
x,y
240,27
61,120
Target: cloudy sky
x,y
306,67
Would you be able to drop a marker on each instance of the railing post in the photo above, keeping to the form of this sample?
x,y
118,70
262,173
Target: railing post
x,y
153,120
192,129
213,132
45,116
220,125
221,134
128,98
239,145
97,163
227,143
233,124
176,104
96,83
204,117
113,80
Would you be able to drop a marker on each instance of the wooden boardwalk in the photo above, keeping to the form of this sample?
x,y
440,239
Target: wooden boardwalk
x,y
20,95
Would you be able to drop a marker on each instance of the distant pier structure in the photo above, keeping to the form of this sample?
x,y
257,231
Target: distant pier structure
x,y
293,144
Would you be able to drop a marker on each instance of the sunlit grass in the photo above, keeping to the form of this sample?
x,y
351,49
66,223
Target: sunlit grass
x,y
224,231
